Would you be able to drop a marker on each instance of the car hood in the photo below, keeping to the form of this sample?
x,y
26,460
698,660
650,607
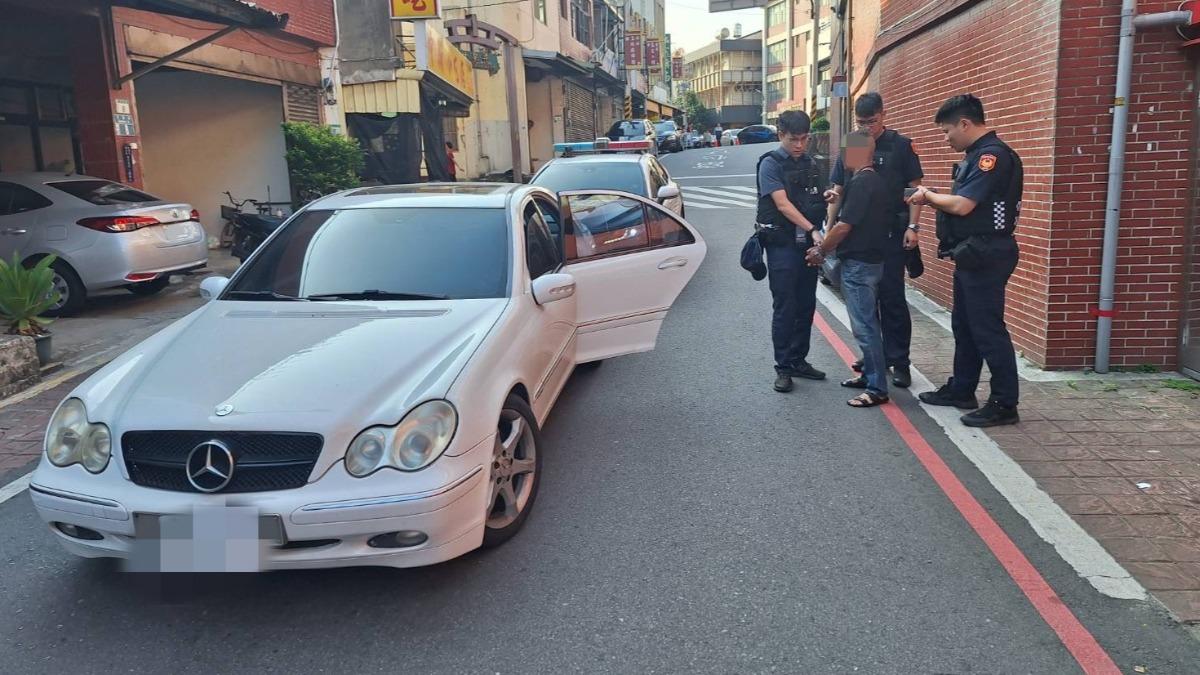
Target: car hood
x,y
329,368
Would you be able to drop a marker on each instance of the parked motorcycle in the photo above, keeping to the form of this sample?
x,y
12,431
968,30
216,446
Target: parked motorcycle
x,y
244,232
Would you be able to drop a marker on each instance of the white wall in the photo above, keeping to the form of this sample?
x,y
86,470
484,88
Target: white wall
x,y
204,134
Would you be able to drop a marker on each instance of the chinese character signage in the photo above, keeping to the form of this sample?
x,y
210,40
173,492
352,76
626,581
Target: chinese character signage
x,y
633,50
414,9
654,55
667,63
677,67
436,55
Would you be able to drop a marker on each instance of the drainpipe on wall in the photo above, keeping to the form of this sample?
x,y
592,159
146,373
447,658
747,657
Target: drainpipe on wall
x,y
1130,22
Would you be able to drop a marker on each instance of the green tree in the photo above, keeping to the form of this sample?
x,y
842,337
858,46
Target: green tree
x,y
319,161
819,123
699,115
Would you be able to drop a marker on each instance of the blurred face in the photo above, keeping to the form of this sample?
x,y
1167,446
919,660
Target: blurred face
x,y
958,135
859,153
795,144
872,124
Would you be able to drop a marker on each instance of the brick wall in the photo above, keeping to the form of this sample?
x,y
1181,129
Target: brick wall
x,y
990,50
308,19
1154,206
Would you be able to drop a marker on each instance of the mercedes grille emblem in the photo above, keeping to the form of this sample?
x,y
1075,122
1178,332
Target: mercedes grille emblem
x,y
210,466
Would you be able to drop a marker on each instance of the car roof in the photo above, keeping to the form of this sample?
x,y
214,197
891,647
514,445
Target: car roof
x,y
428,195
42,177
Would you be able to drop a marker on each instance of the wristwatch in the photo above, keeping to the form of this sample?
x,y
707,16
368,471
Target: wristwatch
x,y
915,227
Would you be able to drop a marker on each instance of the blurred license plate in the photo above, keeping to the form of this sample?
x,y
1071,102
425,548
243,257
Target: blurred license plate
x,y
209,539
179,231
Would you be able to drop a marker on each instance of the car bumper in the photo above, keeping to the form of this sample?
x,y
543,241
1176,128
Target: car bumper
x,y
113,258
337,511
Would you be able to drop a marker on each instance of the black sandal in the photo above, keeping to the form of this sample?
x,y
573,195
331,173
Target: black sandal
x,y
859,382
867,400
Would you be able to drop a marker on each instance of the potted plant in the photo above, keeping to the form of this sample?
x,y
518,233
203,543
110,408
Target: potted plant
x,y
25,294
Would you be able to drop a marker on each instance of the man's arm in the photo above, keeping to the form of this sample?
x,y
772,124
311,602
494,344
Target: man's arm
x,y
955,205
790,211
914,216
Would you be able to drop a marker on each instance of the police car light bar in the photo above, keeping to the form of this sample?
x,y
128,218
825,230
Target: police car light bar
x,y
603,145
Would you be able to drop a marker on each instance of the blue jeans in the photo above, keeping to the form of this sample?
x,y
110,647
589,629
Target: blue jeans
x,y
860,290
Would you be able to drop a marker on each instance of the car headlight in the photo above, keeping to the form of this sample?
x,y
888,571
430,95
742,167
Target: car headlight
x,y
420,438
72,439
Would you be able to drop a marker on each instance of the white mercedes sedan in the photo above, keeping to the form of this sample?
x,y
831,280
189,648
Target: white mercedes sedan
x,y
368,388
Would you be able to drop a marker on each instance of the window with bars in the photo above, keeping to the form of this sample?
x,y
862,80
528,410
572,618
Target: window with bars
x,y
581,21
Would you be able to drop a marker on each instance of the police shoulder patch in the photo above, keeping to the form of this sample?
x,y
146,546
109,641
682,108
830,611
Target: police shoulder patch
x,y
987,162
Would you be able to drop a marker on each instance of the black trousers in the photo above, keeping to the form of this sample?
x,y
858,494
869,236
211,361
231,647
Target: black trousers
x,y
894,316
980,334
794,300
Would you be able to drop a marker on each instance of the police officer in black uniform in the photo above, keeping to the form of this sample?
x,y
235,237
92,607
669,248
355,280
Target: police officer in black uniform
x,y
899,166
790,212
975,228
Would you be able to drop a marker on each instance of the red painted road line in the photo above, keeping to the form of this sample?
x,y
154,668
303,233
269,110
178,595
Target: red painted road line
x,y
1088,653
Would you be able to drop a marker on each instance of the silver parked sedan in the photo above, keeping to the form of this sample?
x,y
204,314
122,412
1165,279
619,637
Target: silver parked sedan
x,y
105,234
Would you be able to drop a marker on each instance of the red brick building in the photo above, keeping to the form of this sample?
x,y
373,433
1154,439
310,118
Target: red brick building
x,y
204,121
1046,71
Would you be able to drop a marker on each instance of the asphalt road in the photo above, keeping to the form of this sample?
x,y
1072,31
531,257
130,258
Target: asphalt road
x,y
691,520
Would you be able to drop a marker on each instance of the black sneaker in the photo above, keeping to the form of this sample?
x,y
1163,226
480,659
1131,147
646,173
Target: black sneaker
x,y
808,372
902,377
945,396
857,366
783,383
991,415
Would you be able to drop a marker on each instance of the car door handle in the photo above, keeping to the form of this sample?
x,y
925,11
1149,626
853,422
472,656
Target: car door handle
x,y
672,262
14,230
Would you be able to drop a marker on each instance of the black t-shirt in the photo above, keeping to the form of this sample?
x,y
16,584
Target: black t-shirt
x,y
865,209
897,161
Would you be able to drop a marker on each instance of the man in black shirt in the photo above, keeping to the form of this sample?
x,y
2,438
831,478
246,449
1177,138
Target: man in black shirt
x,y
861,239
900,167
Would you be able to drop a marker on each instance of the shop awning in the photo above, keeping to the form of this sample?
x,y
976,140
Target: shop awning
x,y
556,63
402,95
228,12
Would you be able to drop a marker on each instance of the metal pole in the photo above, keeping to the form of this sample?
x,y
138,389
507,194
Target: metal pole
x,y
1116,169
511,54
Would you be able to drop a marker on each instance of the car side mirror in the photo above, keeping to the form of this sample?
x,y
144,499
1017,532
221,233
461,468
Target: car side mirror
x,y
668,192
550,288
211,287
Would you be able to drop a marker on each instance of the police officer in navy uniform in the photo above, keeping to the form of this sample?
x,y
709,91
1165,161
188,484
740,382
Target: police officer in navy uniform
x,y
897,163
791,210
975,228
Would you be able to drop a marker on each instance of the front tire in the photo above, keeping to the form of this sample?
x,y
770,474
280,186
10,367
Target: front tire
x,y
515,472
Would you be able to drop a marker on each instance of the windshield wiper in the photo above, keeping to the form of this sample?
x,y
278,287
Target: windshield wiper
x,y
261,295
374,294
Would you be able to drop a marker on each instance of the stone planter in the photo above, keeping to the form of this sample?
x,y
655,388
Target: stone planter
x,y
19,365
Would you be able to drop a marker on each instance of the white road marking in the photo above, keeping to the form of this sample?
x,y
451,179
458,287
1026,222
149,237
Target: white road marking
x,y
1048,520
732,175
720,192
694,198
15,488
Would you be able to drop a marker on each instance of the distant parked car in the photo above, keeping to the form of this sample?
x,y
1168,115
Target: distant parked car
x,y
670,138
634,130
104,234
729,137
756,133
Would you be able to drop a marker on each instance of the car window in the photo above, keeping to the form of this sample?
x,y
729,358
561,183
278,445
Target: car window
x,y
664,230
541,255
658,177
103,192
626,128
16,199
665,127
604,225
453,253
591,175
550,217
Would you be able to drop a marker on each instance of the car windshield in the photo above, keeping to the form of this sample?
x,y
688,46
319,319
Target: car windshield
x,y
665,127
103,192
381,254
627,129
623,176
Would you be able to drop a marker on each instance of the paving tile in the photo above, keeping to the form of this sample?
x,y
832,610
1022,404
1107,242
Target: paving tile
x,y
1185,605
1179,503
1157,526
1049,438
1119,453
1088,486
1076,426
1069,452
1026,453
1161,576
1191,520
1083,505
1135,505
1106,527
1046,469
1090,469
1144,469
1180,550
1135,549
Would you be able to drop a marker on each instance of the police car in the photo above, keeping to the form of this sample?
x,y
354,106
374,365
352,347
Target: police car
x,y
624,166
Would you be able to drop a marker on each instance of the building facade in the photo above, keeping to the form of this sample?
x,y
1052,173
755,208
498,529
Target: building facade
x,y
183,98
727,76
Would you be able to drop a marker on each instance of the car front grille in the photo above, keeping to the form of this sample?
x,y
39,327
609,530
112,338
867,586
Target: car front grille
x,y
264,461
